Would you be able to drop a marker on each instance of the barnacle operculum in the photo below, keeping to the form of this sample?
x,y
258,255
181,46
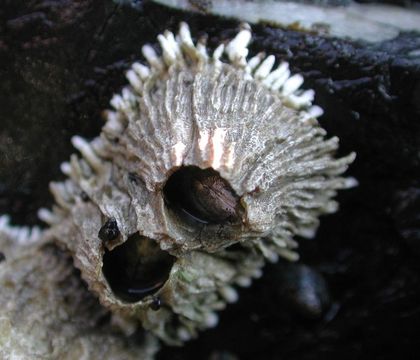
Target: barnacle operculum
x,y
137,268
201,209
203,195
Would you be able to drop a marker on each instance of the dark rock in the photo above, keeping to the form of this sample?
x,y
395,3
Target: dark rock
x,y
303,289
222,355
406,214
62,60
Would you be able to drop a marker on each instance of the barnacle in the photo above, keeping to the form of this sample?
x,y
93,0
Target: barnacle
x,y
202,151
46,312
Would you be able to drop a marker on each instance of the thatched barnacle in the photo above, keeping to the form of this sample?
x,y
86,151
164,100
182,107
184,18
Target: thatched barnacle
x,y
219,162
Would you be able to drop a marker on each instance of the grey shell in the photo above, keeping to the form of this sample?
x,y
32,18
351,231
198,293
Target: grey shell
x,y
225,111
47,313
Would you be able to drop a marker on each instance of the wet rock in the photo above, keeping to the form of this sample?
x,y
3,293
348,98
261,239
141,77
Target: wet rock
x,y
303,289
406,215
222,355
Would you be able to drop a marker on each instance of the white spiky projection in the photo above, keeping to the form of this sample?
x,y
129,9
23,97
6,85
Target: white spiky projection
x,y
246,129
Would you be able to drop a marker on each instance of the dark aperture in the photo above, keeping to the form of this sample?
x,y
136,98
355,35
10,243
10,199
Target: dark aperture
x,y
202,195
137,268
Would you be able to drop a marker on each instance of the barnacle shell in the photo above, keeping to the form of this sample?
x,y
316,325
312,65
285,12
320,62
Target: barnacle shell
x,y
251,124
198,284
46,312
256,131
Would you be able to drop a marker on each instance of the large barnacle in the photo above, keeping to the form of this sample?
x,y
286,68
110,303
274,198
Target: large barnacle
x,y
202,151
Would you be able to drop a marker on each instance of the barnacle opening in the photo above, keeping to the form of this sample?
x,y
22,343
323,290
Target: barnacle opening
x,y
137,268
202,195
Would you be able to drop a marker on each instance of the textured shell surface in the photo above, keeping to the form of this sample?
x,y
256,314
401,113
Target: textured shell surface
x,y
201,151
47,313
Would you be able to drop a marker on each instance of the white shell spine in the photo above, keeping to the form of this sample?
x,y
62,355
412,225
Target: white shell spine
x,y
20,235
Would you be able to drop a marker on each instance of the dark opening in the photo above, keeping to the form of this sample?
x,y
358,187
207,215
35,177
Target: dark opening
x,y
137,268
202,195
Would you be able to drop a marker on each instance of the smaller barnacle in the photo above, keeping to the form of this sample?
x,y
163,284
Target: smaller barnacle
x,y
47,312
